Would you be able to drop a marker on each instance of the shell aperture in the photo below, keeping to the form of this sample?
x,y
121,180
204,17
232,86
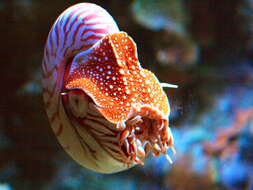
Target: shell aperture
x,y
111,74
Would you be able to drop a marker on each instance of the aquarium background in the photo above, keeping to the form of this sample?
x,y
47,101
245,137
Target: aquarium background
x,y
204,46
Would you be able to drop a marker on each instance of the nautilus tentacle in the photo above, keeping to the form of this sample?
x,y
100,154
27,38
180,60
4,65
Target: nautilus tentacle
x,y
107,111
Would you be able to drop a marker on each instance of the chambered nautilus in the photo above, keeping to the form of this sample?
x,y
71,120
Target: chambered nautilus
x,y
107,111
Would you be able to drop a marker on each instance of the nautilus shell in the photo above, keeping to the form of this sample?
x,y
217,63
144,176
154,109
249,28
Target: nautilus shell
x,y
107,111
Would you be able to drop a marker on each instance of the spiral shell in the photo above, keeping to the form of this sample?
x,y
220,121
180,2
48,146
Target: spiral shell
x,y
107,111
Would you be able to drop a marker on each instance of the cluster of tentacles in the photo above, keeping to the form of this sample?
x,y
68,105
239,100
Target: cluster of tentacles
x,y
143,133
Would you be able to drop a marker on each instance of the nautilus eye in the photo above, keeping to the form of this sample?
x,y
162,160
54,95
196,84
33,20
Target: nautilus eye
x,y
107,111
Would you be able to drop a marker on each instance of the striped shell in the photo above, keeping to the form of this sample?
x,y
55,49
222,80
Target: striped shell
x,y
107,111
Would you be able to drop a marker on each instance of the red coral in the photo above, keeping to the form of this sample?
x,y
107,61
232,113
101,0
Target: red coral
x,y
226,143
